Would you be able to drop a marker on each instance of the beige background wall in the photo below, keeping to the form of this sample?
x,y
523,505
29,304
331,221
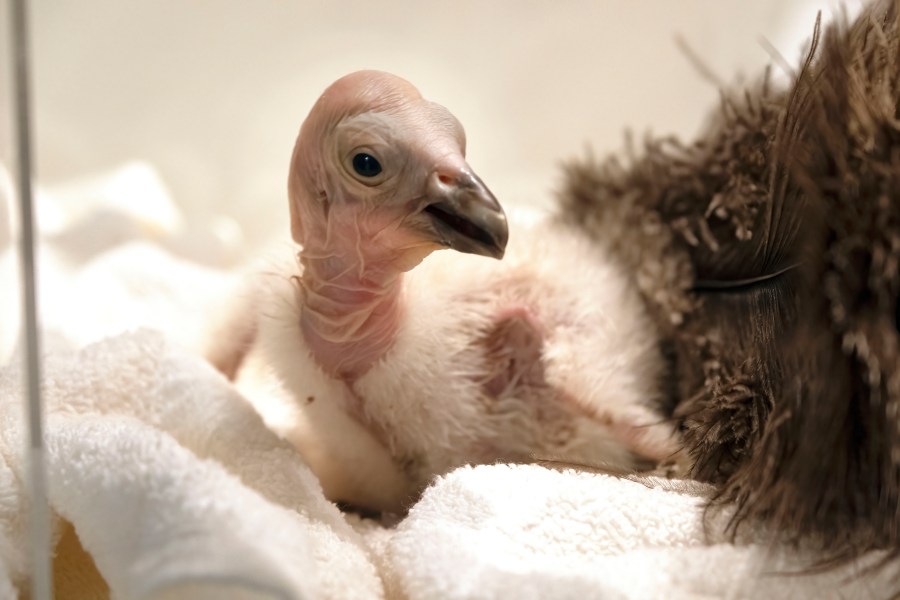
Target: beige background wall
x,y
212,91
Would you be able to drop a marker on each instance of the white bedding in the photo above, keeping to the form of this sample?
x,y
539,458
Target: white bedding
x,y
176,489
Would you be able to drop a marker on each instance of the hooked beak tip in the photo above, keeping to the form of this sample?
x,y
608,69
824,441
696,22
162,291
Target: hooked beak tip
x,y
466,216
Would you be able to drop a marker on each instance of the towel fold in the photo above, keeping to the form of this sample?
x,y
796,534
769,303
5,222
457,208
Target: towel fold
x,y
172,482
156,519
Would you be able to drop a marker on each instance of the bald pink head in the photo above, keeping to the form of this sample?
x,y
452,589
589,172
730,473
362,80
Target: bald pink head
x,y
378,181
373,149
361,92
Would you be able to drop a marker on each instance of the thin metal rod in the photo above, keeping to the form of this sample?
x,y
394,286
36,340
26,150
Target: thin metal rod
x,y
39,521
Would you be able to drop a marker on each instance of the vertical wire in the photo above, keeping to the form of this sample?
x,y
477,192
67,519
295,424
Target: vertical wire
x,y
39,522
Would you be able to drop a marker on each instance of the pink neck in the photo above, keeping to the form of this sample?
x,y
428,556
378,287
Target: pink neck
x,y
351,311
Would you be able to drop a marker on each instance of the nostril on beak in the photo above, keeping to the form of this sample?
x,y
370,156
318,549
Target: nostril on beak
x,y
443,184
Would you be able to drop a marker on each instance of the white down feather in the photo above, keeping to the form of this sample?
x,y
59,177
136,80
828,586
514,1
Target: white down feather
x,y
422,410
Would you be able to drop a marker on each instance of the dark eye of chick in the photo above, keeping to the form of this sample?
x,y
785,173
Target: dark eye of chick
x,y
366,165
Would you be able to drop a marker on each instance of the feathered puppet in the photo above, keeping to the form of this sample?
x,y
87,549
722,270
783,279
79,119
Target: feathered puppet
x,y
386,366
768,252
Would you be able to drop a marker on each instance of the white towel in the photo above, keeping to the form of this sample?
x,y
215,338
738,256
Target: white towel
x,y
525,531
170,480
157,519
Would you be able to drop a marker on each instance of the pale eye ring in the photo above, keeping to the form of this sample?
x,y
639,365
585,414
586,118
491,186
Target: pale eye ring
x,y
366,165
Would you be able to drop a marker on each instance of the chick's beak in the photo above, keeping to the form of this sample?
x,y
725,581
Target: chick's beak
x,y
465,215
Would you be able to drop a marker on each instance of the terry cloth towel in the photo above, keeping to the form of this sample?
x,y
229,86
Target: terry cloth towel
x,y
173,484
528,532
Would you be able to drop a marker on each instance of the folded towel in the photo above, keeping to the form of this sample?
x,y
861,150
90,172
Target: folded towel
x,y
171,480
157,520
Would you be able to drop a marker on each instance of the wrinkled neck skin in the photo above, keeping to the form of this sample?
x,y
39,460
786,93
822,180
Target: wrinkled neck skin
x,y
351,287
358,240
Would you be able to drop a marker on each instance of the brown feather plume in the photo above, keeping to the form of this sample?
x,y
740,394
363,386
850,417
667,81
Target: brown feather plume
x,y
769,252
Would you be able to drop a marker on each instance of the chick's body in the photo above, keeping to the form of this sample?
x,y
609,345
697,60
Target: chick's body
x,y
386,366
545,355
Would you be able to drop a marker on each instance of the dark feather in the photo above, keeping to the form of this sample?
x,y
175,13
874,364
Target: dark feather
x,y
769,251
